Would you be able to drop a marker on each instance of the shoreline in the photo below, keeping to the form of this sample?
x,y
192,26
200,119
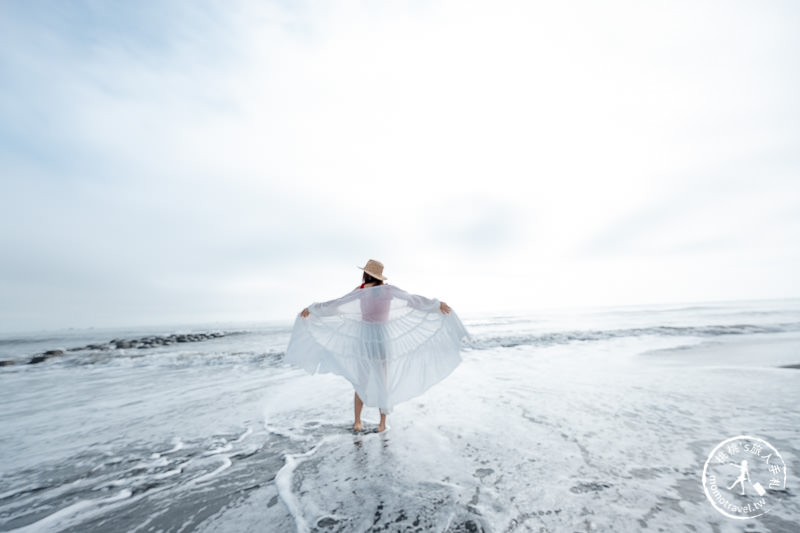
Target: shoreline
x,y
770,350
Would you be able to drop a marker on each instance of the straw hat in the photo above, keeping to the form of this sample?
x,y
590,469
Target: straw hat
x,y
374,269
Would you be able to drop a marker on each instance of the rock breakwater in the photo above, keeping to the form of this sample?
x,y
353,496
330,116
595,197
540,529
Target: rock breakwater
x,y
141,343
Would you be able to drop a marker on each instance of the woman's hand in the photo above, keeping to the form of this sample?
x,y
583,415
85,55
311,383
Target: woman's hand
x,y
305,312
444,308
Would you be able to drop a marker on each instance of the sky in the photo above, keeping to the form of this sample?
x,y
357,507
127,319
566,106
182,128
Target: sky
x,y
222,161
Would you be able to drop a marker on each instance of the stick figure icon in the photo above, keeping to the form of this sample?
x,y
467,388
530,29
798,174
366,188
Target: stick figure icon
x,y
744,475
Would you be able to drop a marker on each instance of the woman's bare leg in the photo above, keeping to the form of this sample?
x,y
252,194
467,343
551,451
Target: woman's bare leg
x,y
357,406
382,425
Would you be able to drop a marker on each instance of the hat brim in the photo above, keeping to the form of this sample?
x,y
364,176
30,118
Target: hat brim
x,y
374,275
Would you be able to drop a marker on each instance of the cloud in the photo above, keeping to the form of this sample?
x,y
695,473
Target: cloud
x,y
237,159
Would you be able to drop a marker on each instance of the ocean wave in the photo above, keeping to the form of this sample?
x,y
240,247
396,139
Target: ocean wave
x,y
566,337
180,359
267,348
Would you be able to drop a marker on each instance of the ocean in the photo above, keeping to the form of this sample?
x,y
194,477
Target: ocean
x,y
600,419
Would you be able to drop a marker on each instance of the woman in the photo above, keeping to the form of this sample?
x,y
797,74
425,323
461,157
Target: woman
x,y
391,345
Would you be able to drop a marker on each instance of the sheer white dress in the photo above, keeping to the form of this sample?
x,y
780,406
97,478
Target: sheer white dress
x,y
391,345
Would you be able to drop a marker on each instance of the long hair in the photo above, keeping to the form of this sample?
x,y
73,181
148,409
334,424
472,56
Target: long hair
x,y
369,279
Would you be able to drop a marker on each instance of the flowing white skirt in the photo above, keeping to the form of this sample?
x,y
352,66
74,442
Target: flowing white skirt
x,y
391,345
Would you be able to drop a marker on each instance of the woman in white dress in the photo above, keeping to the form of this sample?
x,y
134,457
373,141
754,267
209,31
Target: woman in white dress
x,y
391,345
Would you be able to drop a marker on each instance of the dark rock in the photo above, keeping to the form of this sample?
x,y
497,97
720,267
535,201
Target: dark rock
x,y
7,363
143,343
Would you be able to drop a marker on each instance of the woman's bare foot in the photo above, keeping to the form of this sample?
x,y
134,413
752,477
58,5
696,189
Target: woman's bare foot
x,y
382,425
357,406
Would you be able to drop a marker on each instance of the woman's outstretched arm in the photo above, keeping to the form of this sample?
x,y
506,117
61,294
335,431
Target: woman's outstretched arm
x,y
329,307
420,302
